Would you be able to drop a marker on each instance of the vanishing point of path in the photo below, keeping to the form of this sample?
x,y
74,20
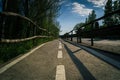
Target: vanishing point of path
x,y
60,60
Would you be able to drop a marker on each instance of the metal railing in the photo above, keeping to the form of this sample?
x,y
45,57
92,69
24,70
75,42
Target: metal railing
x,y
113,30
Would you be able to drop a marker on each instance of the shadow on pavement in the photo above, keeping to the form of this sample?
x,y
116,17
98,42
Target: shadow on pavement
x,y
82,69
76,51
101,53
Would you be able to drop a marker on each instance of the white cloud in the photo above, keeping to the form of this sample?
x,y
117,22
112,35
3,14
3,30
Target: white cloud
x,y
80,9
98,3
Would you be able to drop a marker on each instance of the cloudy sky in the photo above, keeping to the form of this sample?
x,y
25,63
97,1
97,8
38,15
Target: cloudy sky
x,y
76,11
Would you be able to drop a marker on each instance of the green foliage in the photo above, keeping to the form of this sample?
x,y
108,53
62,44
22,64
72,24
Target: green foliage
x,y
108,8
42,12
96,25
79,25
9,51
116,17
45,14
90,18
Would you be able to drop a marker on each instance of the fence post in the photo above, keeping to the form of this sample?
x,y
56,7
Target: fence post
x,y
67,36
71,35
80,39
92,43
79,35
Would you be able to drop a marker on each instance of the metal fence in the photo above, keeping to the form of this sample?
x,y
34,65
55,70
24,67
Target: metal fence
x,y
109,31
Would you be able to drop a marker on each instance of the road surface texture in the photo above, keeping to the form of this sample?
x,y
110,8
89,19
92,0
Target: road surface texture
x,y
60,60
103,44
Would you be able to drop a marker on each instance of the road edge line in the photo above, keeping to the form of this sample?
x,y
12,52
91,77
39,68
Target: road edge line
x,y
4,68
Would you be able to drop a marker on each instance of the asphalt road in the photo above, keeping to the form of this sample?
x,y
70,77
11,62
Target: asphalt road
x,y
68,62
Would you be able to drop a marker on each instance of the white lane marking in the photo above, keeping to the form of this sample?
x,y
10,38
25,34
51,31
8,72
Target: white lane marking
x,y
60,46
60,54
60,43
3,69
60,73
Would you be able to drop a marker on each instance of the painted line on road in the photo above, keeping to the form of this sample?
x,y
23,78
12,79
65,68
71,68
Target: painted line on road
x,y
60,54
60,73
60,46
60,43
3,69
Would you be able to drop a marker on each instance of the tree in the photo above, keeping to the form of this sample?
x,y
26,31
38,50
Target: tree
x,y
9,23
77,26
108,8
90,18
115,16
43,12
118,13
96,25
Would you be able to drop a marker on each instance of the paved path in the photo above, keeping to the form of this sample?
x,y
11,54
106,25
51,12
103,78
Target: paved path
x,y
103,44
59,60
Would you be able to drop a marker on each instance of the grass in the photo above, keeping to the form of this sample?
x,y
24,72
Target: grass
x,y
11,50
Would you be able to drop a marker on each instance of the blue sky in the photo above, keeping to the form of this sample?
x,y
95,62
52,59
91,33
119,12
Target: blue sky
x,y
76,11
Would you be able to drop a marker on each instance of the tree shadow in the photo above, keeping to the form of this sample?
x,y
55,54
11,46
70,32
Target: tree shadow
x,y
81,67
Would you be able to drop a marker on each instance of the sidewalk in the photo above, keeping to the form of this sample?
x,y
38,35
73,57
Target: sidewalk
x,y
91,67
103,44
